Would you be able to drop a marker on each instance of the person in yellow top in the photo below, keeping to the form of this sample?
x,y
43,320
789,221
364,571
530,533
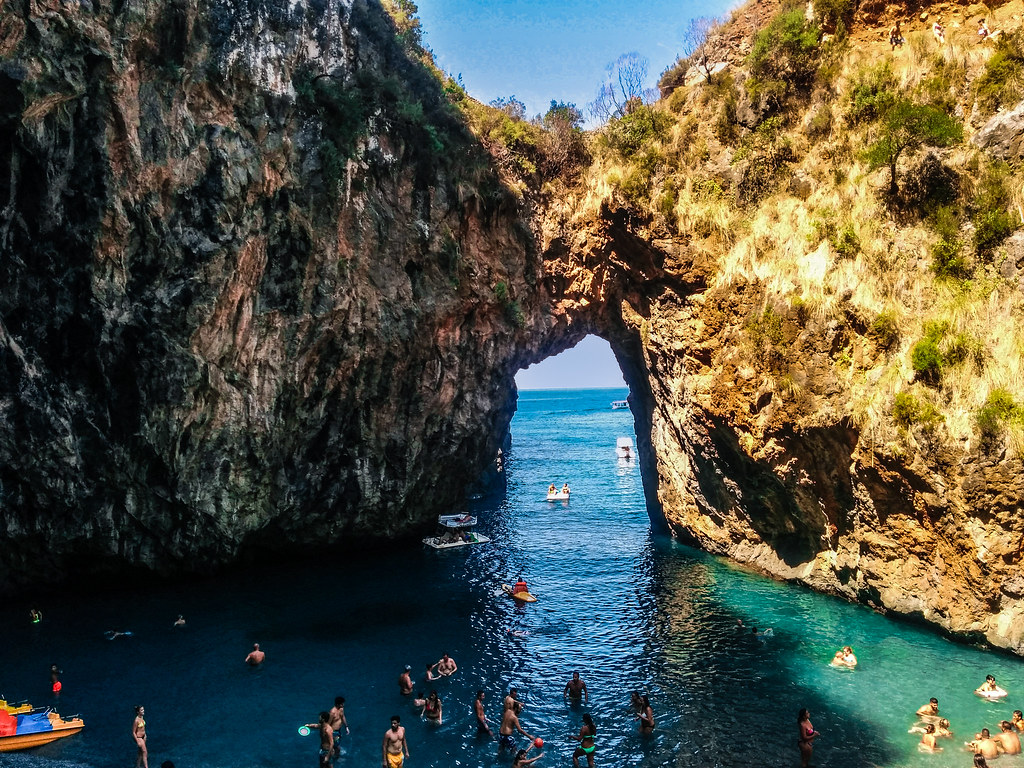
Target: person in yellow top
x,y
139,734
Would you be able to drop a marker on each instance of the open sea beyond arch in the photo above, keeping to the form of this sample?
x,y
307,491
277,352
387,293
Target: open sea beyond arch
x,y
627,609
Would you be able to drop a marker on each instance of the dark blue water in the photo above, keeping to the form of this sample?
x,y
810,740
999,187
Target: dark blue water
x,y
626,609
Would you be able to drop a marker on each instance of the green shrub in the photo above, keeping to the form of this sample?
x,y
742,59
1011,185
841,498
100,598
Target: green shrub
x,y
872,94
766,333
637,130
907,411
834,15
1002,82
961,348
885,330
992,220
501,292
768,151
926,356
999,408
783,58
948,261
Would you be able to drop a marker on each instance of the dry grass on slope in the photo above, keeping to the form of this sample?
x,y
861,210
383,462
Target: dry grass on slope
x,y
789,202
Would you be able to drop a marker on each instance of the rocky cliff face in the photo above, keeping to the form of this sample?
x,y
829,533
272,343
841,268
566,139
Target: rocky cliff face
x,y
264,291
780,476
245,304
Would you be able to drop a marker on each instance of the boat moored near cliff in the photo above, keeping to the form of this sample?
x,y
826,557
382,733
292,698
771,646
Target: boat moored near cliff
x,y
455,531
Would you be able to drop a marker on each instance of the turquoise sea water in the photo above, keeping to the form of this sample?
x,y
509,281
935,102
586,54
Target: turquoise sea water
x,y
628,609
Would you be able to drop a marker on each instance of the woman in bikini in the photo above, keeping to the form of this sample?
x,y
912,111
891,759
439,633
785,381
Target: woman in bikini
x,y
807,737
646,716
431,707
139,734
586,739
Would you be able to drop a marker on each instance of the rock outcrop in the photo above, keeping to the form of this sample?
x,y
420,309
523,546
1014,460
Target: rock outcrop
x,y
265,292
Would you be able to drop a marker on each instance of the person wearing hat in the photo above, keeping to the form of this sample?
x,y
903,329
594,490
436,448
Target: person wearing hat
x,y
405,681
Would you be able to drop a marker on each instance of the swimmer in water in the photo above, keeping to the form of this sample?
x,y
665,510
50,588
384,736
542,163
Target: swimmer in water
x,y
1007,738
576,689
180,621
405,681
989,689
446,666
520,759
326,738
509,725
55,683
928,740
984,745
845,658
337,722
512,698
395,748
35,616
431,707
646,716
256,656
113,634
586,738
481,716
139,734
931,709
1018,720
806,739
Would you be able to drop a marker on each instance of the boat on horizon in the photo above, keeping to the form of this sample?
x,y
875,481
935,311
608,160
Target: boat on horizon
x,y
34,729
617,404
455,531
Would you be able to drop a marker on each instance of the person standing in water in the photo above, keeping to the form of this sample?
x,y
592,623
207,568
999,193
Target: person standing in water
x,y
394,750
646,715
446,666
35,616
139,734
326,738
481,716
576,689
55,683
807,737
586,737
509,725
338,721
256,656
405,681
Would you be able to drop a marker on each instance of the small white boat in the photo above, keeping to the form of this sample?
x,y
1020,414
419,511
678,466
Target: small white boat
x,y
558,496
617,404
454,531
624,449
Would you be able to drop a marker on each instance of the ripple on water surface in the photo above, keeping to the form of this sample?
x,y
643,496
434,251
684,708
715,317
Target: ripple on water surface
x,y
625,608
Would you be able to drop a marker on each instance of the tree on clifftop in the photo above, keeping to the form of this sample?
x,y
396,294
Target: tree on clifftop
x,y
907,125
704,45
623,88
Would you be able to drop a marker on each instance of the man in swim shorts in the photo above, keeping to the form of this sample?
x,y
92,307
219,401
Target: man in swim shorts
x,y
509,725
405,681
576,689
338,721
326,738
256,656
481,716
394,745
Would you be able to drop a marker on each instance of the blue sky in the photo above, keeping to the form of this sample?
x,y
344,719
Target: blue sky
x,y
539,50
588,365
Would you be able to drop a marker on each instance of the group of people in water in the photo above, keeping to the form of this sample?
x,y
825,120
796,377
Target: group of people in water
x,y
395,746
984,745
931,725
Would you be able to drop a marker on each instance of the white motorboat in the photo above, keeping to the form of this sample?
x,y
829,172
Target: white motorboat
x,y
617,404
455,531
624,449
